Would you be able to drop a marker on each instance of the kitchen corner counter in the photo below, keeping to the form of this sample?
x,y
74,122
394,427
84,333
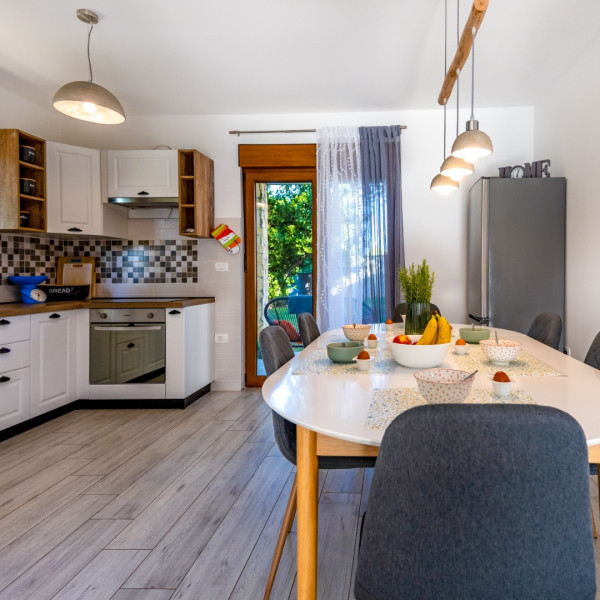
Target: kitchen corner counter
x,y
20,308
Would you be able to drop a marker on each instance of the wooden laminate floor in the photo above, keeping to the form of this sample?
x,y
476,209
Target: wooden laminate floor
x,y
165,504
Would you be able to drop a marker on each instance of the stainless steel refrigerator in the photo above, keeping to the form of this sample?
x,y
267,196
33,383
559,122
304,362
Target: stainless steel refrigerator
x,y
516,250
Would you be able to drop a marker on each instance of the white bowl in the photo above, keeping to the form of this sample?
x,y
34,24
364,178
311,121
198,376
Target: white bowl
x,y
443,386
356,332
371,343
418,357
501,388
363,363
500,353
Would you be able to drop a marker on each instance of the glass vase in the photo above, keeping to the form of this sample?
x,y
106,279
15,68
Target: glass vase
x,y
417,317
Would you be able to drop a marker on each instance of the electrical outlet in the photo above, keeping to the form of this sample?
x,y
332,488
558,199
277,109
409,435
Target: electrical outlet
x,y
221,338
221,266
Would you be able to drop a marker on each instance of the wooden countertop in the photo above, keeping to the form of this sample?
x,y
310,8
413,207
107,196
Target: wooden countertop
x,y
20,308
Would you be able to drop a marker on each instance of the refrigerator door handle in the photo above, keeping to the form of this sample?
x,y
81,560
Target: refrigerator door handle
x,y
480,320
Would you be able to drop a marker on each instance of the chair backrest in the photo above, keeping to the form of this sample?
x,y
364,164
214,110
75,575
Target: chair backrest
x,y
309,330
276,351
478,502
547,328
401,310
277,313
592,357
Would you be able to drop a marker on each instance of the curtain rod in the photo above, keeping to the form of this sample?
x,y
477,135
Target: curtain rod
x,y
238,133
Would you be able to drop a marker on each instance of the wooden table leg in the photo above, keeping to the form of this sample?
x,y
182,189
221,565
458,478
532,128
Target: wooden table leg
x,y
308,479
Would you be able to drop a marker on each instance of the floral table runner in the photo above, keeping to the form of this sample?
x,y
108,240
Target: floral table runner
x,y
387,404
318,363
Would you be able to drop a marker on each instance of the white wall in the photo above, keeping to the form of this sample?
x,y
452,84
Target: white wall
x,y
434,226
567,130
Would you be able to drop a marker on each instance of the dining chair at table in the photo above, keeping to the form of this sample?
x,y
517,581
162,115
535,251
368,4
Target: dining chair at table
x,y
309,330
592,357
277,351
481,513
546,328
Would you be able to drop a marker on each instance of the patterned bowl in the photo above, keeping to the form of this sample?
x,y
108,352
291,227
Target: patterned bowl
x,y
501,353
443,386
418,357
356,332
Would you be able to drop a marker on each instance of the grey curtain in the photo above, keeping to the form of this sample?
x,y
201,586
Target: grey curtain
x,y
381,175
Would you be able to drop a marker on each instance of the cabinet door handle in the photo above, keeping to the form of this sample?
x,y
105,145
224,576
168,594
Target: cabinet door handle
x,y
4,379
131,345
142,193
4,322
174,312
74,229
54,316
4,350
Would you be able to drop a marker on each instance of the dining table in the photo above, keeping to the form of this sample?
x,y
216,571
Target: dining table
x,y
340,410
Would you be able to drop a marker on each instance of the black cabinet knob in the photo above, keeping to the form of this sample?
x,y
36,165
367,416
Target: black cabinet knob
x,y
54,316
74,229
4,322
174,312
131,345
142,193
4,350
4,379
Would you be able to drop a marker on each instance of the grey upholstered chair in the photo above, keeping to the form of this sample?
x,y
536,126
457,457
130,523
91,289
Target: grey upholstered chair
x,y
277,351
309,330
592,357
401,310
547,328
481,513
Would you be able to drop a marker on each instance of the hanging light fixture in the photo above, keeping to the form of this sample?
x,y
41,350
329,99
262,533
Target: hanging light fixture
x,y
442,183
473,144
87,100
454,167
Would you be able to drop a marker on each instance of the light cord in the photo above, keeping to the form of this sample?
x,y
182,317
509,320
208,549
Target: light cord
x,y
473,32
88,51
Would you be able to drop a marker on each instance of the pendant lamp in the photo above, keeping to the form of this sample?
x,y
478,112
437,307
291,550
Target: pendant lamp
x,y
473,144
441,182
87,100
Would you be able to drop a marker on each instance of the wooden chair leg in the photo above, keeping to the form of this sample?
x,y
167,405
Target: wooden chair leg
x,y
594,526
286,526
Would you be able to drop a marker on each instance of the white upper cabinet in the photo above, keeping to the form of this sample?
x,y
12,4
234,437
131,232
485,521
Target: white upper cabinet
x,y
74,193
142,173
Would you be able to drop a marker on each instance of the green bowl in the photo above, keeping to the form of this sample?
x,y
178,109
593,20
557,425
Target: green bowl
x,y
343,352
474,336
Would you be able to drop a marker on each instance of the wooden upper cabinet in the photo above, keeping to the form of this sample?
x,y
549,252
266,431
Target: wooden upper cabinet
x,y
22,182
196,194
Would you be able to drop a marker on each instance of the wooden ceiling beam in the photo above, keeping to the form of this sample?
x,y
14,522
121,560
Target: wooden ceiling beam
x,y
464,49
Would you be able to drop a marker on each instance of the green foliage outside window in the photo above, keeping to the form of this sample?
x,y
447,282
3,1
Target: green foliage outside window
x,y
289,234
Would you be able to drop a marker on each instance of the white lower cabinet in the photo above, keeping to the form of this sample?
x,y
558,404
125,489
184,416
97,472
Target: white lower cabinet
x,y
14,397
53,360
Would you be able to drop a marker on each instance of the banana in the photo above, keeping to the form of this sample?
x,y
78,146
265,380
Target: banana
x,y
430,334
444,332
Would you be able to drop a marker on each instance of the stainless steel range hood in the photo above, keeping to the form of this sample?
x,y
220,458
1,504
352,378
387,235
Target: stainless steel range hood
x,y
145,202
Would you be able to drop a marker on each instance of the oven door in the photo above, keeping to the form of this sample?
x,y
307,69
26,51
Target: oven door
x,y
127,353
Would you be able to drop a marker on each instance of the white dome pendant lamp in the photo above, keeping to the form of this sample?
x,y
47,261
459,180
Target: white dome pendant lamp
x,y
473,144
442,183
87,100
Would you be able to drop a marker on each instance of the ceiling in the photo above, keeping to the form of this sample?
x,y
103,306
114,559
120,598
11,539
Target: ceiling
x,y
181,57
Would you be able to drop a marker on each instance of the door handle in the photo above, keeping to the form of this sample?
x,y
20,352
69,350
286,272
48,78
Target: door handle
x,y
174,312
4,350
4,379
4,322
54,316
74,229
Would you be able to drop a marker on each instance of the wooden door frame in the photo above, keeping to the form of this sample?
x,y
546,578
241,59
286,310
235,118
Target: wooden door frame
x,y
269,163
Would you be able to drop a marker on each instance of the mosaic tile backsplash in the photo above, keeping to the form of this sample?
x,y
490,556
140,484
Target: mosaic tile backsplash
x,y
117,261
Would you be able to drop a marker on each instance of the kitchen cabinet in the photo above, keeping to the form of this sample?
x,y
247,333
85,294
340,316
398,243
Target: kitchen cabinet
x,y
196,194
142,173
53,360
22,182
190,349
74,194
14,370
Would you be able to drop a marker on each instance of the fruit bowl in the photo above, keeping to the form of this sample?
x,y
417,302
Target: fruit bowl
x,y
418,357
343,352
500,353
356,332
443,386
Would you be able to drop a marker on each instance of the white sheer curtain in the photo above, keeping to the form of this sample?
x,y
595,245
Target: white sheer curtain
x,y
341,251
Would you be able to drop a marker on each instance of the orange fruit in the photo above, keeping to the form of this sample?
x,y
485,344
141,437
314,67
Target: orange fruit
x,y
389,322
460,342
363,354
372,336
501,376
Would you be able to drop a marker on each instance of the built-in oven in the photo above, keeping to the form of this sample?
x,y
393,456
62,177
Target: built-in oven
x,y
127,347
